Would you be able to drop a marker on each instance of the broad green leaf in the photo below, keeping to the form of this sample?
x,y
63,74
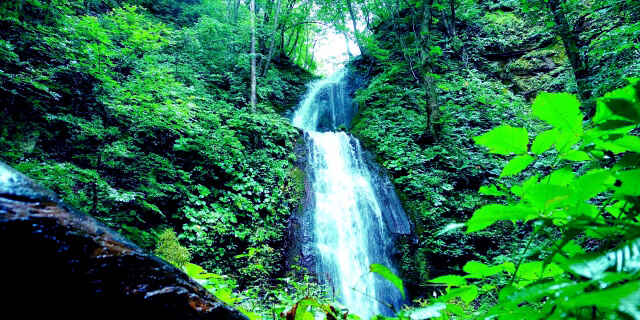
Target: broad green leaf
x,y
603,113
629,160
591,184
480,270
487,287
560,177
467,294
630,143
516,165
616,126
624,298
519,313
618,209
576,155
561,110
301,308
623,108
504,140
476,268
387,274
305,316
509,267
489,214
225,295
570,248
526,186
545,197
565,141
537,270
251,315
578,209
457,310
535,291
544,141
192,270
450,280
491,190
610,146
630,182
618,104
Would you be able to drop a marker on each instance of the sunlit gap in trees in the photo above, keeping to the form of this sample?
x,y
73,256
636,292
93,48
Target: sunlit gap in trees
x,y
332,50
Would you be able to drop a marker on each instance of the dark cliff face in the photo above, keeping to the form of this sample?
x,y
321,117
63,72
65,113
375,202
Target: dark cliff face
x,y
59,262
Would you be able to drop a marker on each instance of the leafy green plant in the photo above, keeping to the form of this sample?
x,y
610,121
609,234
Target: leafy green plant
x,y
135,113
170,249
589,195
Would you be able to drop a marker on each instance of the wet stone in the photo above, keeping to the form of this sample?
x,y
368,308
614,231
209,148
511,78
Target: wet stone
x,y
57,262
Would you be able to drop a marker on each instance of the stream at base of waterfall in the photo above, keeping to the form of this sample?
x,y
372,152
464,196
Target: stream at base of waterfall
x,y
354,211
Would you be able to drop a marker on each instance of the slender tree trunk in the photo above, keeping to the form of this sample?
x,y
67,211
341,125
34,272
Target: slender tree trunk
x,y
570,42
253,55
233,12
355,27
346,39
306,48
282,32
295,43
395,13
429,84
365,12
313,53
272,47
452,5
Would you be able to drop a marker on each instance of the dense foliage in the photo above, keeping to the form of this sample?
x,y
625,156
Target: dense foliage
x,y
585,205
143,123
490,59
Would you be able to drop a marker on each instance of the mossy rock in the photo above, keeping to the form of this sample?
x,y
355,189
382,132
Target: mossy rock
x,y
295,189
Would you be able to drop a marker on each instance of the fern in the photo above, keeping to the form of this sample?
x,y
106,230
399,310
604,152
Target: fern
x,y
625,258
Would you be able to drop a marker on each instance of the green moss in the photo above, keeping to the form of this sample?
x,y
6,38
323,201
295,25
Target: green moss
x,y
522,64
547,52
296,186
171,250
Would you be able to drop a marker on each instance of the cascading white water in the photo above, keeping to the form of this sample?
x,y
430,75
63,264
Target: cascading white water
x,y
349,226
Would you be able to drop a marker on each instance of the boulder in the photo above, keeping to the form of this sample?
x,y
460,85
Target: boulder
x,y
57,262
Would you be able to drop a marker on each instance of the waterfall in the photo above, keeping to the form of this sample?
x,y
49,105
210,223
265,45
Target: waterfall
x,y
354,210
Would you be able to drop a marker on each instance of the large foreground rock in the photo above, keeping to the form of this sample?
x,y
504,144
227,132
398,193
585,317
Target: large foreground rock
x,y
57,263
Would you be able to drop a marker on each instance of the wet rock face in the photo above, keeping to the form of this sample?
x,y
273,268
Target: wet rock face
x,y
59,262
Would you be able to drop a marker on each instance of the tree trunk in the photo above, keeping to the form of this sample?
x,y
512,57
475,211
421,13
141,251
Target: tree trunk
x,y
282,32
272,47
313,54
429,84
355,27
346,39
233,13
400,36
253,56
295,43
367,15
452,5
570,42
